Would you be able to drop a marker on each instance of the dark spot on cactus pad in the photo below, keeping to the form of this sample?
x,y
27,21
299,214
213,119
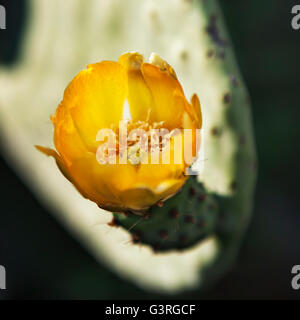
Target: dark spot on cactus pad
x,y
184,55
183,238
156,247
234,80
253,165
201,197
163,234
136,236
243,140
214,18
150,210
210,53
214,32
212,206
215,131
222,54
221,221
227,98
189,219
147,216
201,223
174,213
233,185
192,192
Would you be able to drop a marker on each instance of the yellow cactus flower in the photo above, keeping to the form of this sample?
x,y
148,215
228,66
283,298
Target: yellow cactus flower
x,y
138,96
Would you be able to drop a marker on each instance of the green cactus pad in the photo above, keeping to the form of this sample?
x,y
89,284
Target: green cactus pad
x,y
188,217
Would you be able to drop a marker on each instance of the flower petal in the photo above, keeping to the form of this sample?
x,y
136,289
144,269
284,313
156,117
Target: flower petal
x,y
167,95
66,138
95,99
62,167
142,197
139,97
197,110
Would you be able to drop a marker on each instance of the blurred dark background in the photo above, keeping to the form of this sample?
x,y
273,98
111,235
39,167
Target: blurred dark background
x,y
45,262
